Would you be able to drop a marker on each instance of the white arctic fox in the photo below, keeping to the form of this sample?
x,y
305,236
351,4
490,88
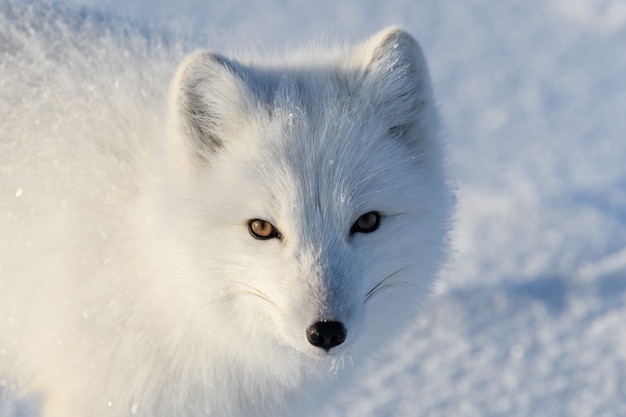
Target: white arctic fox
x,y
219,246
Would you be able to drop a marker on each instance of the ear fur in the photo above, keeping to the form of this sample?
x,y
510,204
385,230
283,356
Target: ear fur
x,y
208,100
396,76
212,97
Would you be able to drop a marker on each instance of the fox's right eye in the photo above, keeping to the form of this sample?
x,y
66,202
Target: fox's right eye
x,y
262,229
367,223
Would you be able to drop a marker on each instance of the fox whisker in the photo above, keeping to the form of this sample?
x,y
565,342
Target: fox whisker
x,y
383,284
254,292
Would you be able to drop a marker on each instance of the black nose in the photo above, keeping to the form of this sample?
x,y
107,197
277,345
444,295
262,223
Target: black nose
x,y
326,334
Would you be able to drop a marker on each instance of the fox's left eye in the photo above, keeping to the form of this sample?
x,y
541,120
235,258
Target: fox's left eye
x,y
262,229
367,223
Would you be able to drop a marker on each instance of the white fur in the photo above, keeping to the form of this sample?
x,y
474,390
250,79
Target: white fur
x,y
129,283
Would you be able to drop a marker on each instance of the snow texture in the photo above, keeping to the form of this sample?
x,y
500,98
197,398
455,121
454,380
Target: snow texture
x,y
530,317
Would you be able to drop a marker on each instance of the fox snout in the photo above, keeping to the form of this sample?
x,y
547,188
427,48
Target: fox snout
x,y
326,334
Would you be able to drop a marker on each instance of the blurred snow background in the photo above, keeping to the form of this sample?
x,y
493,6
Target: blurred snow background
x,y
530,316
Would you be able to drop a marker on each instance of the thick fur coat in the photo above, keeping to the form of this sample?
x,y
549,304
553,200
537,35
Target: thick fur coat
x,y
132,278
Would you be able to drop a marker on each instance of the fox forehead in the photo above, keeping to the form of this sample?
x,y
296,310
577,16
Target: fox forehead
x,y
323,148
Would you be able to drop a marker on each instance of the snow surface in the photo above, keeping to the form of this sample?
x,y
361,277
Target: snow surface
x,y
530,317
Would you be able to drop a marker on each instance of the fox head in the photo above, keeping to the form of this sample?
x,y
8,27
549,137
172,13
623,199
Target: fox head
x,y
311,194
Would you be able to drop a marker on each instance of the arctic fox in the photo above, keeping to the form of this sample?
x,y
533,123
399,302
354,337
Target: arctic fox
x,y
215,245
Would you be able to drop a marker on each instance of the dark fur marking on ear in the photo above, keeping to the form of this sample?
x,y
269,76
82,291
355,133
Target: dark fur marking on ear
x,y
397,131
203,122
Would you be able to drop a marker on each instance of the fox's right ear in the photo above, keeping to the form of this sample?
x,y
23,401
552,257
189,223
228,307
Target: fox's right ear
x,y
208,101
398,84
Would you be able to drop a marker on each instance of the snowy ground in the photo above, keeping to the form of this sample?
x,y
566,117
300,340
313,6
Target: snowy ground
x,y
530,317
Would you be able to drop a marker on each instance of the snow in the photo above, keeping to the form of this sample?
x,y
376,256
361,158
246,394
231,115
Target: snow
x,y
529,318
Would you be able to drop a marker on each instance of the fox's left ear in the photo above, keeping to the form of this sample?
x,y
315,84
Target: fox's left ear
x,y
397,80
209,100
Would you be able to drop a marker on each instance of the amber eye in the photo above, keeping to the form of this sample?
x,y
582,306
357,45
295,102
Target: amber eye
x,y
261,229
367,223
